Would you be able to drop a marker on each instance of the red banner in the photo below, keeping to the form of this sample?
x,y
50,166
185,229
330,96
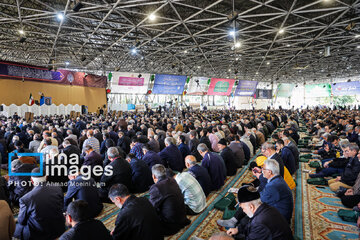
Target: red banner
x,y
221,86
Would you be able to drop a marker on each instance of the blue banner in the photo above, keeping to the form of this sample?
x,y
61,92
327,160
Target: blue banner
x,y
346,88
246,88
169,84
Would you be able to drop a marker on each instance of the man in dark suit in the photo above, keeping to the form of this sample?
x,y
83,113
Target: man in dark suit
x,y
18,186
166,197
141,174
121,173
92,159
69,150
137,218
268,150
83,189
199,173
214,165
124,142
183,148
150,157
83,226
229,157
193,143
41,211
171,156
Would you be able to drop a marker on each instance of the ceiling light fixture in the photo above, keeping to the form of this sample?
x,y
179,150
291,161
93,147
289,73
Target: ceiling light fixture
x,y
133,51
357,35
60,16
21,32
67,63
268,63
152,17
232,33
185,51
281,31
238,44
288,45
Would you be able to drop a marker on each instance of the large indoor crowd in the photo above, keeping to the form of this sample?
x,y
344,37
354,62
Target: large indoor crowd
x,y
177,160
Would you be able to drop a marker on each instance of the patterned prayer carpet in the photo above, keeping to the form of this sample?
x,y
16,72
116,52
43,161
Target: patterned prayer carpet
x,y
316,212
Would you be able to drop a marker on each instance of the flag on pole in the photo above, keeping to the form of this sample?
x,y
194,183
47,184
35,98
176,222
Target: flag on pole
x,y
31,100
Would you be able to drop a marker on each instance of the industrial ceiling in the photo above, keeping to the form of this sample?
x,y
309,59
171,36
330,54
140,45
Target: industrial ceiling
x,y
273,40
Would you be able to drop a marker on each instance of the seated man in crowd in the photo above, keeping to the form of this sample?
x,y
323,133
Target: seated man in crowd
x,y
351,197
195,200
82,225
137,219
351,171
265,222
214,165
228,156
150,157
167,199
141,174
286,155
199,173
121,173
80,188
41,211
171,155
136,147
18,186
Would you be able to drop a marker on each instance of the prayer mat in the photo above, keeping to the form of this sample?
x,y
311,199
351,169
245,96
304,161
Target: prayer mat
x,y
316,212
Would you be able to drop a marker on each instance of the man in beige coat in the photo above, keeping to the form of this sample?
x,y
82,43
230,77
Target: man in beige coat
x,y
7,222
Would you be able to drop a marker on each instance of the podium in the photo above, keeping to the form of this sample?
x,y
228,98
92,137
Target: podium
x,y
45,100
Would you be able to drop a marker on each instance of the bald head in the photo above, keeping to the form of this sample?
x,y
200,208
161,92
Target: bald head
x,y
190,161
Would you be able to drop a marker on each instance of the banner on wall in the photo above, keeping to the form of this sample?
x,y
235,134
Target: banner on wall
x,y
263,94
128,82
318,90
346,88
198,86
169,84
10,70
221,86
246,88
284,90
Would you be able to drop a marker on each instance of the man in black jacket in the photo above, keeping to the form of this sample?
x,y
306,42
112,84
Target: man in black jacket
x,y
265,222
41,211
193,143
137,218
83,226
80,188
167,199
229,157
124,142
121,173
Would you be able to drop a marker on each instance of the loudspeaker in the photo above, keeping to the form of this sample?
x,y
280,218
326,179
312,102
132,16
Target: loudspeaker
x,y
1,108
84,109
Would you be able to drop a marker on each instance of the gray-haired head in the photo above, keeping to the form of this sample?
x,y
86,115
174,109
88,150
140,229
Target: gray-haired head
x,y
159,171
202,147
267,145
169,140
273,166
113,152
